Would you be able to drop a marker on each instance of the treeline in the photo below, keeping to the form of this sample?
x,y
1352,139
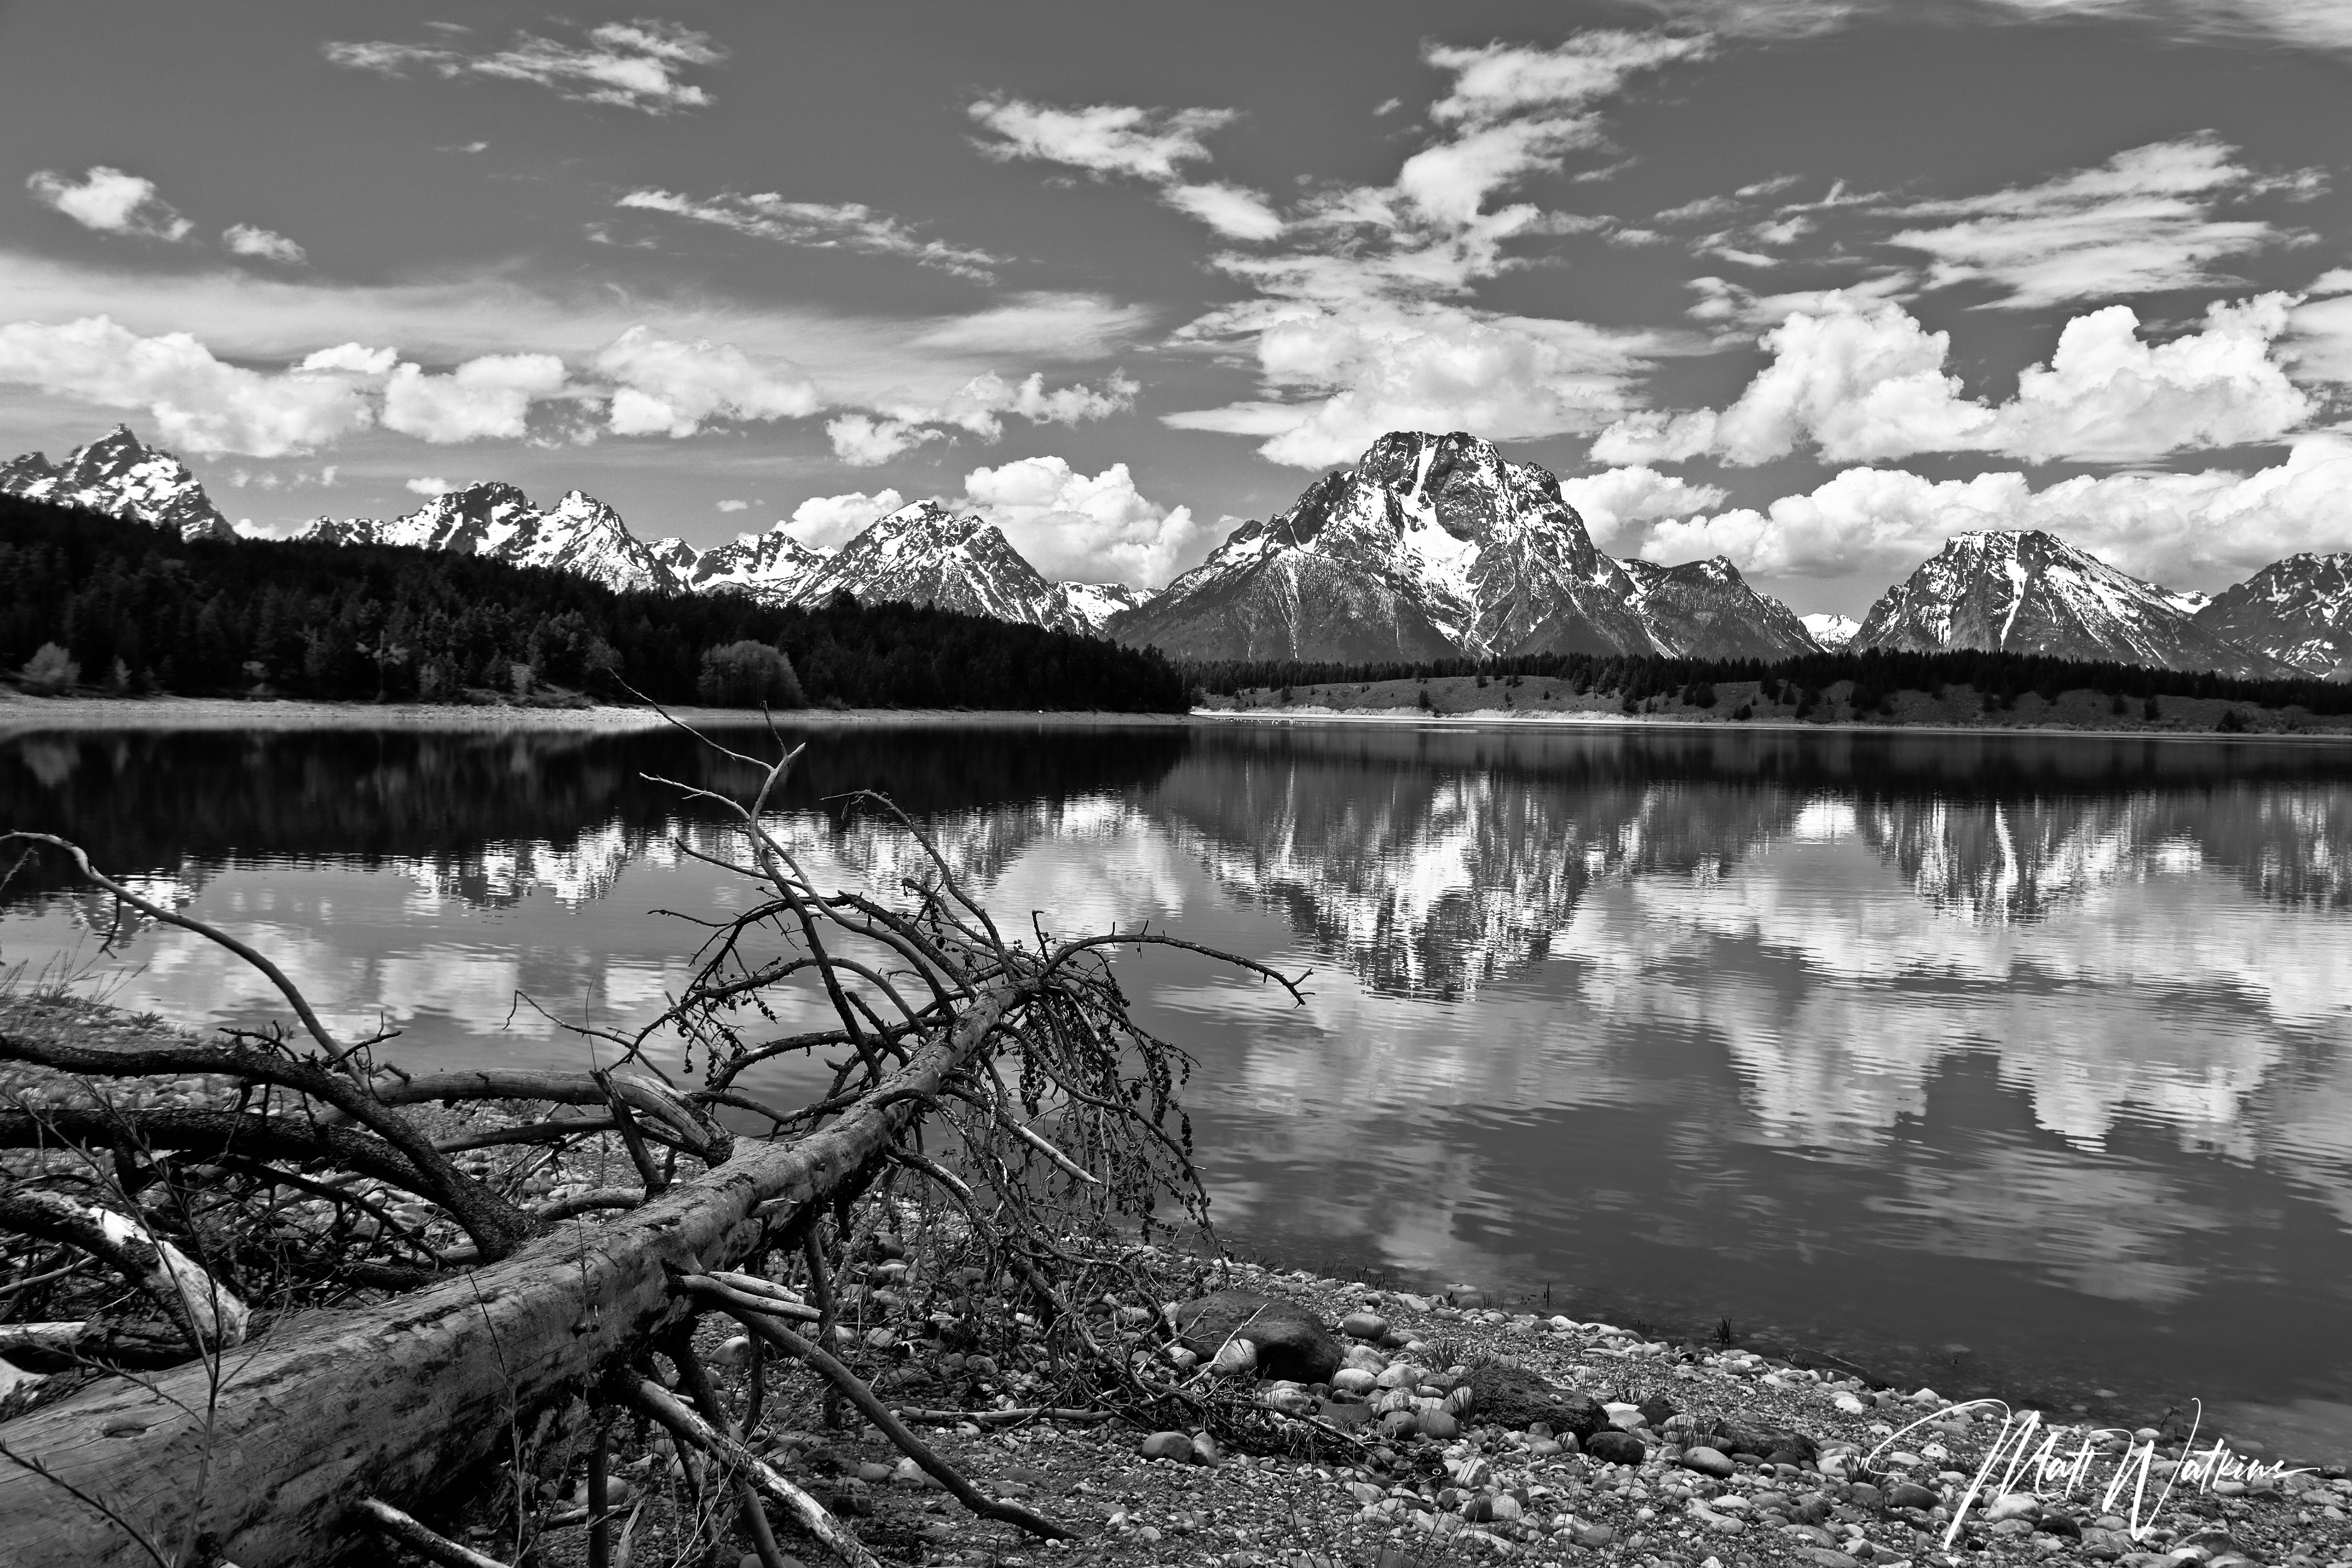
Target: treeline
x,y
2003,678
136,609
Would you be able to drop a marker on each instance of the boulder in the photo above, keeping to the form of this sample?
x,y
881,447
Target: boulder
x,y
1614,1448
1167,1446
1709,1462
1911,1494
1291,1341
1735,1437
1514,1397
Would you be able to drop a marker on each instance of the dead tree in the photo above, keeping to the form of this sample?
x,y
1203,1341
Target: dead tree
x,y
344,1313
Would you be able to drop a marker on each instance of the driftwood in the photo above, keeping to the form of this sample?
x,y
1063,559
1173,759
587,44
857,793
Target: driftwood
x,y
1048,1114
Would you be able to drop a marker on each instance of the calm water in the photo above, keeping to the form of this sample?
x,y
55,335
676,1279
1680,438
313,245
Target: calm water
x,y
2015,1062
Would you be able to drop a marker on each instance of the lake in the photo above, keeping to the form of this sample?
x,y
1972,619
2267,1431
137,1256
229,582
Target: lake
x,y
2006,1062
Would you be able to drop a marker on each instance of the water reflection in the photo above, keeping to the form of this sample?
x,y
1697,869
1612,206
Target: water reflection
x,y
1884,1043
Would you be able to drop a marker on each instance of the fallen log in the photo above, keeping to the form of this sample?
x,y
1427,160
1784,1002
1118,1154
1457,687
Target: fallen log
x,y
268,1466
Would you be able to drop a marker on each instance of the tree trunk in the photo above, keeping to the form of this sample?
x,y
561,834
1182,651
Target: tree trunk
x,y
395,1400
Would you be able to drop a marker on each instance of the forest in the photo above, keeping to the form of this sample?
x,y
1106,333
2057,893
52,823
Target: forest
x,y
136,610
1876,674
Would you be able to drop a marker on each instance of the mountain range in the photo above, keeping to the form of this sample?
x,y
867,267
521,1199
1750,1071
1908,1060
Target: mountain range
x,y
1431,546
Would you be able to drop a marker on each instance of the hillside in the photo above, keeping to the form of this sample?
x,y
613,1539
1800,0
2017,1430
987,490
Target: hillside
x,y
141,608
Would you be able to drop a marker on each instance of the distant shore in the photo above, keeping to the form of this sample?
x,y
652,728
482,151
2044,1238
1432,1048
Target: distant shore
x,y
1492,720
27,715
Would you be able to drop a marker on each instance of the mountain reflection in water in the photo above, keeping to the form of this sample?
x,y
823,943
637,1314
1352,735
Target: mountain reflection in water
x,y
2009,1060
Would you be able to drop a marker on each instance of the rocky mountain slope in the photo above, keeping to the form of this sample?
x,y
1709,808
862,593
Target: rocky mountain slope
x,y
1830,630
925,553
1705,609
582,534
2297,611
1430,547
2030,592
122,476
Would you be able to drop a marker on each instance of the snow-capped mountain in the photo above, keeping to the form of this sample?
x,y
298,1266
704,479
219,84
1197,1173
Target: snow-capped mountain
x,y
2030,592
122,476
1705,609
1430,546
581,535
1831,631
772,567
2298,611
925,553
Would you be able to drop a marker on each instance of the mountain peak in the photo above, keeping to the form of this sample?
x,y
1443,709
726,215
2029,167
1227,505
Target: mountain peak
x,y
120,476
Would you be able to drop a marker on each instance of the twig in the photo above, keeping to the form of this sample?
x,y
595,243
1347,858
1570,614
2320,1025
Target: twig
x,y
654,1400
389,1521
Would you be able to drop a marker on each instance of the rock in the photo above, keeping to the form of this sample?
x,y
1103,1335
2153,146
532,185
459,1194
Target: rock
x,y
1205,1450
1709,1462
1911,1494
1167,1446
2016,1505
1864,1494
1396,1557
1235,1358
1346,1416
873,1475
1398,1425
1656,1411
2059,1524
1291,1339
1353,1380
1614,1448
1737,1438
1592,1536
1514,1397
1824,1557
1440,1424
1368,1326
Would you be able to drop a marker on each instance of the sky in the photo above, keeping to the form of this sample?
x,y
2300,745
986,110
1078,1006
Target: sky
x,y
1811,284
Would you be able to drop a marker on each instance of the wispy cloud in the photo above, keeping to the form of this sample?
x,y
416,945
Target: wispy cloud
x,y
1148,144
2144,220
245,239
820,226
110,202
638,65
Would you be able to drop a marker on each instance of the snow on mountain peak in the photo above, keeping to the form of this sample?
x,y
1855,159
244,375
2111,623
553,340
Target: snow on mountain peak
x,y
122,476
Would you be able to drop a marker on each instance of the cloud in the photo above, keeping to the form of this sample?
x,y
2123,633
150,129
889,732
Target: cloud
x,y
1616,500
637,65
864,442
1864,381
2141,222
1102,139
2168,527
1077,528
2309,24
356,358
819,226
664,386
199,404
1514,110
244,240
978,408
110,202
827,522
1372,368
734,506
429,488
1047,325
488,398
1233,211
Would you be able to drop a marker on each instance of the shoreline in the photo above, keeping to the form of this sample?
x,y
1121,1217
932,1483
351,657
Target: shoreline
x,y
34,715
1494,720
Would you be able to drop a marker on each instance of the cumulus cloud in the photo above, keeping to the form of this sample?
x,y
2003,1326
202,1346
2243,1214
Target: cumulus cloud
x,y
662,385
429,488
734,506
2145,220
2166,527
198,403
827,522
638,65
1074,527
899,423
1372,368
1621,501
819,226
864,442
1865,381
245,239
111,201
2309,24
488,398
